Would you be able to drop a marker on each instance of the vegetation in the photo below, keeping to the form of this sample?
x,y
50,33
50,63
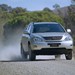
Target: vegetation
x,y
47,9
24,18
72,14
56,6
72,2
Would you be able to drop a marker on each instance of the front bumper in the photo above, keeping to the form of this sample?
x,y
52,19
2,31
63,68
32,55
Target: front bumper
x,y
47,45
51,51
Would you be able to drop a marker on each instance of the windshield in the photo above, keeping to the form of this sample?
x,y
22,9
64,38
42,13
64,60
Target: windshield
x,y
40,28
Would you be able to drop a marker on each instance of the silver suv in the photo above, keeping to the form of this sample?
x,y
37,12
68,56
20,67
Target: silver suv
x,y
46,38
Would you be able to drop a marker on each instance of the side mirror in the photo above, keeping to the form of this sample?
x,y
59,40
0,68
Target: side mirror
x,y
69,30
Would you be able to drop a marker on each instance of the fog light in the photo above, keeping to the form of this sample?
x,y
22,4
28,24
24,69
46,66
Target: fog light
x,y
35,45
71,45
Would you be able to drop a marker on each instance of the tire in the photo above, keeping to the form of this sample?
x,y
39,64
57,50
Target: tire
x,y
69,55
32,55
23,53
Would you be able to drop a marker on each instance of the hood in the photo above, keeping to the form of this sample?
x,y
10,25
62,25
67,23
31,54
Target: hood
x,y
50,34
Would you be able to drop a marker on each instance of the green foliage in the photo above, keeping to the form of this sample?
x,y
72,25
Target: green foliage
x,y
47,9
5,7
22,19
18,10
6,15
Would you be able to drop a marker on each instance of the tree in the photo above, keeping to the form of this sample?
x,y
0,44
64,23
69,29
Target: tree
x,y
56,6
72,2
5,7
18,10
47,9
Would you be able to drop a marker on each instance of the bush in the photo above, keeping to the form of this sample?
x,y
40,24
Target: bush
x,y
22,19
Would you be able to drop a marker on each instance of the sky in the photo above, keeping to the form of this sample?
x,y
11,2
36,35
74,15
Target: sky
x,y
33,5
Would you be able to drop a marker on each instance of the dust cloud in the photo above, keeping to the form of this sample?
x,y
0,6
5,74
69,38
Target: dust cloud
x,y
10,49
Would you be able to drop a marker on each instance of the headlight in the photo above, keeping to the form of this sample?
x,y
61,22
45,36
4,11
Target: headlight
x,y
37,39
68,38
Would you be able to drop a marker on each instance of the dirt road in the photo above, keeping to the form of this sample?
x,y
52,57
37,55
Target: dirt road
x,y
52,67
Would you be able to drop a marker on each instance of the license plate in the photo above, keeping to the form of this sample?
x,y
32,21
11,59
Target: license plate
x,y
54,45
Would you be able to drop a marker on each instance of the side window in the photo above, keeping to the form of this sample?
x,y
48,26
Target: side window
x,y
28,27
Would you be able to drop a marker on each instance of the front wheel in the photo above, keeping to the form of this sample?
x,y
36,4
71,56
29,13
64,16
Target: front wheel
x,y
32,55
69,55
23,53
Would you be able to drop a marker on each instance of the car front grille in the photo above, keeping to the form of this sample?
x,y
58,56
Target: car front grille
x,y
53,38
